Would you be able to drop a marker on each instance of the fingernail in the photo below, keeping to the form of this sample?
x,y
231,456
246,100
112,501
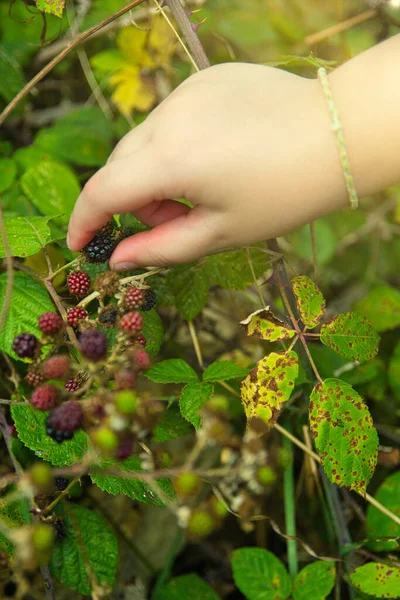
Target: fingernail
x,y
68,241
125,266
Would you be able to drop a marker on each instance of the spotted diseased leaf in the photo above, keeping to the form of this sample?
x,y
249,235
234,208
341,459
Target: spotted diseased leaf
x,y
379,525
381,306
309,300
315,581
264,325
344,434
268,386
52,7
351,336
260,575
378,580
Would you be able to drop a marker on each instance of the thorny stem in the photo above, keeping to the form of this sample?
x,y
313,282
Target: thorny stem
x,y
189,33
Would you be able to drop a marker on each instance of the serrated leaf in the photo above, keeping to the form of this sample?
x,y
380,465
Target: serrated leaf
x,y
22,453
351,336
190,285
87,552
264,325
192,400
133,488
172,370
394,372
8,172
52,7
381,306
28,301
223,370
344,434
171,426
268,386
232,270
31,428
309,300
187,587
11,77
26,235
376,579
260,575
315,581
52,188
378,524
153,331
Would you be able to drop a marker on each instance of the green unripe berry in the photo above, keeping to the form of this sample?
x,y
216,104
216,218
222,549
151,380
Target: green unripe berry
x,y
218,403
266,476
201,524
105,439
41,475
187,484
126,402
219,508
42,538
166,460
284,458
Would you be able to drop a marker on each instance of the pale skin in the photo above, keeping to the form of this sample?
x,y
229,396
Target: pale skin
x,y
251,147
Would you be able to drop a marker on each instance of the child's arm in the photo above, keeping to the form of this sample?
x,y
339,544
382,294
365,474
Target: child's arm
x,y
251,147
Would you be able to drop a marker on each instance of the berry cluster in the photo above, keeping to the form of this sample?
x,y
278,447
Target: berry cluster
x,y
78,283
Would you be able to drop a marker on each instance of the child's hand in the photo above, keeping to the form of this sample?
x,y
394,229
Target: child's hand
x,y
249,146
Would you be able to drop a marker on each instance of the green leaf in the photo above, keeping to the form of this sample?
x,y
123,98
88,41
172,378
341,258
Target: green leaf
x,y
188,587
153,331
394,372
26,235
376,579
31,428
13,515
136,489
232,270
108,61
30,156
28,301
171,426
260,575
269,385
264,325
381,306
325,242
22,453
223,370
82,138
88,551
192,400
53,7
172,370
190,285
315,581
351,336
378,524
8,172
11,77
344,434
52,188
309,299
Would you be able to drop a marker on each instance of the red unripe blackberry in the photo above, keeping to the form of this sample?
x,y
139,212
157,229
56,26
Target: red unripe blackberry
x,y
56,367
63,421
124,449
73,385
50,323
141,360
150,300
25,345
76,314
132,322
142,340
93,344
45,397
125,380
78,283
133,299
34,377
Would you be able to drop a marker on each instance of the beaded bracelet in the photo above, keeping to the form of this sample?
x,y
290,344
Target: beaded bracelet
x,y
337,127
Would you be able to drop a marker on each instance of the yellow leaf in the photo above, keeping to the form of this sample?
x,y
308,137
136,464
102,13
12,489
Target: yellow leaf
x,y
131,92
132,41
162,41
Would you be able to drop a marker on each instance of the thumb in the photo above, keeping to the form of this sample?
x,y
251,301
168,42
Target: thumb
x,y
179,240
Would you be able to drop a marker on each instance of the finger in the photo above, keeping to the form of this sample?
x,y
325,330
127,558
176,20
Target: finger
x,y
157,213
132,142
121,186
180,240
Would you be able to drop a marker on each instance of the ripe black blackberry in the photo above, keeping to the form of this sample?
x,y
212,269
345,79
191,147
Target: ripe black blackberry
x,y
25,345
150,300
61,483
99,249
60,528
108,316
93,344
63,421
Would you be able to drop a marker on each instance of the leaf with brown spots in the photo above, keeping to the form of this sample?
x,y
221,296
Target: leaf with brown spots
x,y
260,575
315,581
53,7
344,434
381,306
268,386
351,336
309,299
264,325
378,580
